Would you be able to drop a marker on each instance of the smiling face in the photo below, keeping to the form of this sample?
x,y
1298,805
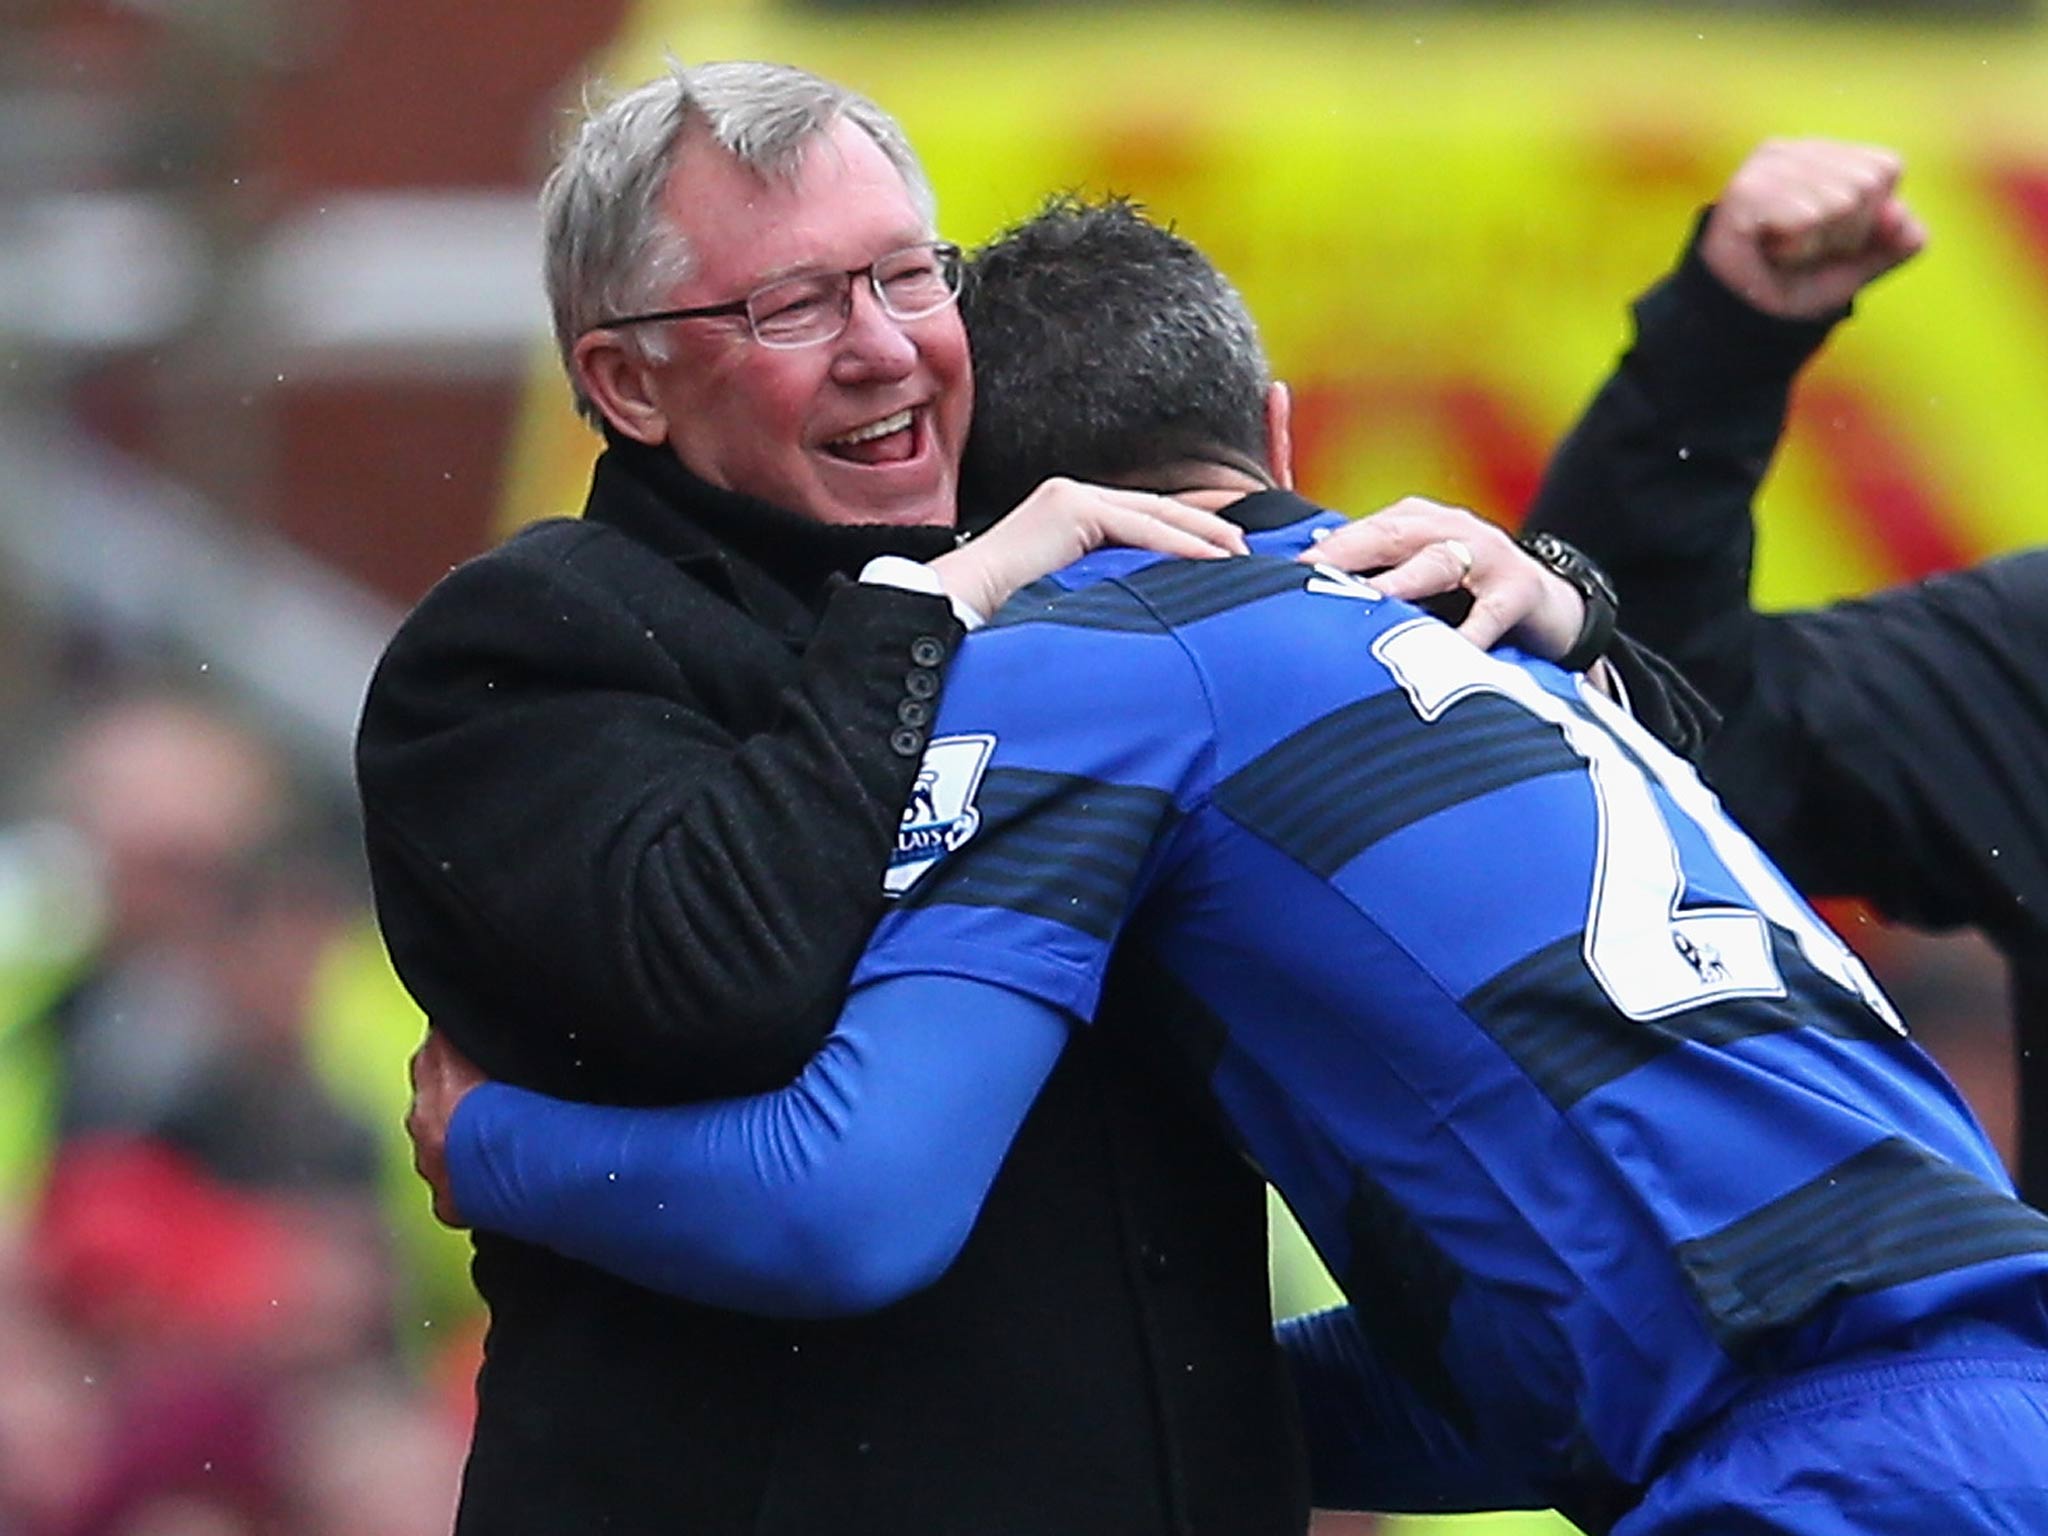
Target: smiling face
x,y
865,428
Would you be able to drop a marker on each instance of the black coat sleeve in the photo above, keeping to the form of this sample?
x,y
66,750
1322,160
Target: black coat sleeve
x,y
1896,748
625,849
1882,748
1658,478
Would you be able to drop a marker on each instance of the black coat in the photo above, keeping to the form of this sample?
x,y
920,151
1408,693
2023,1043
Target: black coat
x,y
1893,748
628,799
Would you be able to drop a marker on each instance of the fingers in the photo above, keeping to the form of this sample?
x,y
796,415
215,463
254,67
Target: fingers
x,y
1817,194
1080,512
1402,531
1443,565
1065,519
1414,547
1192,535
1190,525
1496,611
1510,592
1814,201
441,1075
1897,233
1427,547
1805,223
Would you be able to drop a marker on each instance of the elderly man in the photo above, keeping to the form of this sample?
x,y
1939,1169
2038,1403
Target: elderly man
x,y
630,785
1601,1128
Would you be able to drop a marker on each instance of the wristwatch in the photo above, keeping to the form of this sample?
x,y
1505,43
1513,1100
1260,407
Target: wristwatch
x,y
1591,583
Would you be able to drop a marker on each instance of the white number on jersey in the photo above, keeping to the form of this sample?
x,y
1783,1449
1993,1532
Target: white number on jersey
x,y
1651,956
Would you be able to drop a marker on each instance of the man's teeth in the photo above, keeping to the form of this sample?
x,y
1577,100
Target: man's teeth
x,y
900,422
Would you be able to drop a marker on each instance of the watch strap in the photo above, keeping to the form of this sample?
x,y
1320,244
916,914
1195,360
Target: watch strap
x,y
1603,607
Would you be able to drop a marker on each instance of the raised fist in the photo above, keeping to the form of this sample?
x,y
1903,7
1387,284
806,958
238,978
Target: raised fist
x,y
1806,223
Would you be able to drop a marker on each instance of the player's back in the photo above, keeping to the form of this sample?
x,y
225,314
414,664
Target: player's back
x,y
1588,1113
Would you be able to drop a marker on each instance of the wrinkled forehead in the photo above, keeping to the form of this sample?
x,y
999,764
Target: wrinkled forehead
x,y
779,150
830,198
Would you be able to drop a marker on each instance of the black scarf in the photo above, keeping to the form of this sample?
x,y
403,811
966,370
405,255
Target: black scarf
x,y
639,488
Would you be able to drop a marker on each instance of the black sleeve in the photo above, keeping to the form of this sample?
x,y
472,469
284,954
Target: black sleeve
x,y
1657,480
612,873
1880,748
1896,747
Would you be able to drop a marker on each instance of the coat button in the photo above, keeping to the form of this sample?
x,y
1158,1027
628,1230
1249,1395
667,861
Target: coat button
x,y
927,651
905,742
914,712
921,683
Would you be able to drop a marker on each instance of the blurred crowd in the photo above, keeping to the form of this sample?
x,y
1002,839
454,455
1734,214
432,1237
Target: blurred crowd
x,y
219,1311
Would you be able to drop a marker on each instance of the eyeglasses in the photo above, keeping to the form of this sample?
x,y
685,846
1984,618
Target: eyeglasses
x,y
909,284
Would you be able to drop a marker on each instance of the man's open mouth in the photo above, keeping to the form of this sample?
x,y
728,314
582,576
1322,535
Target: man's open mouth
x,y
890,440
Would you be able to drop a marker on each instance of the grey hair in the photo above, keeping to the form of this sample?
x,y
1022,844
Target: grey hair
x,y
608,250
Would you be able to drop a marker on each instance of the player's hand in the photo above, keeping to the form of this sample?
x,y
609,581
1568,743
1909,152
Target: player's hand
x,y
1426,547
1806,223
441,1077
1063,520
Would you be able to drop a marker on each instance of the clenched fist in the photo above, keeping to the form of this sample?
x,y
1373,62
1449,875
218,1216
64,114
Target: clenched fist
x,y
1805,224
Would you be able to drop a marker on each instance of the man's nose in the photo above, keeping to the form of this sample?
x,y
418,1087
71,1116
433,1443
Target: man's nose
x,y
875,345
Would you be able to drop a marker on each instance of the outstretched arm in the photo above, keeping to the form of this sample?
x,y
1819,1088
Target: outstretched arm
x,y
848,1190
1658,479
1828,716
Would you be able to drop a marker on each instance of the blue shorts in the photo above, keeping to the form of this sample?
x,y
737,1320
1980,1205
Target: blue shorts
x,y
1948,1445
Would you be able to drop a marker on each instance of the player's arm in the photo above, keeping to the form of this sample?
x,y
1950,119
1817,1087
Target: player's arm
x,y
859,1182
850,1189
1373,1444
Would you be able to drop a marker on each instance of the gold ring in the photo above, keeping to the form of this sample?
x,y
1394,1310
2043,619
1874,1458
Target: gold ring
x,y
1462,553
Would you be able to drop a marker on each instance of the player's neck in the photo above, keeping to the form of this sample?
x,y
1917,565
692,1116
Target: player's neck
x,y
1205,483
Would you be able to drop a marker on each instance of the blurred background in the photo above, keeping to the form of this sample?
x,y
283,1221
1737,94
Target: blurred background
x,y
273,357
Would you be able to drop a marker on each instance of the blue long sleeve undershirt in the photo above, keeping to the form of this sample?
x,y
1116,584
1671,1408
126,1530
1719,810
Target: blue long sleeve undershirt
x,y
849,1189
857,1185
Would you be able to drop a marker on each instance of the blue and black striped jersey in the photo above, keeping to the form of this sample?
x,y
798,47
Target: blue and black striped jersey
x,y
1593,1119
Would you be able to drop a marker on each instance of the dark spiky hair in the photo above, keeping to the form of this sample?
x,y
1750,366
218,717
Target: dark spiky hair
x,y
1106,348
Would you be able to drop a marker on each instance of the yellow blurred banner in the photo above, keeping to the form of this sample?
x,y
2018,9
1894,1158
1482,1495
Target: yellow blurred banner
x,y
1439,221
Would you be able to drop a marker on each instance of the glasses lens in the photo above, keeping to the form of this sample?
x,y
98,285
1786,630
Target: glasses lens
x,y
798,311
918,280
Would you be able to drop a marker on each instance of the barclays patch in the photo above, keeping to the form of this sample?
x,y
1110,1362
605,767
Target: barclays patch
x,y
941,813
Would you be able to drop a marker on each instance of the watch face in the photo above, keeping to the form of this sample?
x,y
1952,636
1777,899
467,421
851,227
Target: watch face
x,y
1551,551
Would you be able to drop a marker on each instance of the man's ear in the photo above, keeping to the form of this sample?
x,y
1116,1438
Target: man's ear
x,y
1280,433
615,376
